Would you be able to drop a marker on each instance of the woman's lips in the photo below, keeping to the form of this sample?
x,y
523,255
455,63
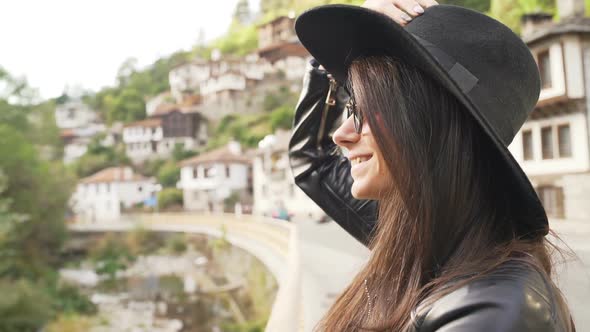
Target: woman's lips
x,y
357,166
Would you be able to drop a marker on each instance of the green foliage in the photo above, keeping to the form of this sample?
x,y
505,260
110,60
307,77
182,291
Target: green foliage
x,y
239,40
129,106
169,174
70,323
24,306
220,244
7,217
151,168
479,5
169,197
177,243
99,157
110,255
68,299
143,242
509,12
282,118
34,190
16,89
179,153
39,190
251,326
125,101
230,201
248,129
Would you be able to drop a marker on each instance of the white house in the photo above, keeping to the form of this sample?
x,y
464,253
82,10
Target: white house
x,y
279,45
76,140
102,196
74,114
141,139
274,185
153,103
210,178
157,136
553,146
187,78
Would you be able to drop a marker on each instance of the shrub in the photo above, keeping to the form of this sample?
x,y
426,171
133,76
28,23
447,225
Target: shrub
x,y
142,241
24,307
169,197
176,243
169,174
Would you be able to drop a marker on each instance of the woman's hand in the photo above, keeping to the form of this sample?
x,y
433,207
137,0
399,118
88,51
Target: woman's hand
x,y
401,11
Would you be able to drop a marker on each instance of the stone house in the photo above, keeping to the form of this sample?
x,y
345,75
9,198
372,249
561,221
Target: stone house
x,y
169,125
274,185
102,196
553,146
212,177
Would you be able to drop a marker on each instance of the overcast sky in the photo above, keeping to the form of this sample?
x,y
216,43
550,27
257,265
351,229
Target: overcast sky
x,y
83,42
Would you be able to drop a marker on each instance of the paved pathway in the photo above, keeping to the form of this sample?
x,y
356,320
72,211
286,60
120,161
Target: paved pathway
x,y
330,258
574,275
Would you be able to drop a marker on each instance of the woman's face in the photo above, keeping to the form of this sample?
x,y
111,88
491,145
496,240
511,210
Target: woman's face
x,y
368,169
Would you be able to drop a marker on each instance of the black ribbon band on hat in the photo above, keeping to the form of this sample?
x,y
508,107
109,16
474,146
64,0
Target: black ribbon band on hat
x,y
461,75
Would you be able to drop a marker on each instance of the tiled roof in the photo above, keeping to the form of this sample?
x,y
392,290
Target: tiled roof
x,y
149,123
114,174
223,155
188,105
67,133
569,25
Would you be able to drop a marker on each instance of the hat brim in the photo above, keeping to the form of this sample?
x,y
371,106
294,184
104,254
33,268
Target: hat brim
x,y
335,35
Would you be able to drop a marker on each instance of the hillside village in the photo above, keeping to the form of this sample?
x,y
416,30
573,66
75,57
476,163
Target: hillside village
x,y
203,94
215,171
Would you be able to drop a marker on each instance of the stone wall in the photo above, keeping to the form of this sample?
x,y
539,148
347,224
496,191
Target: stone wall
x,y
576,190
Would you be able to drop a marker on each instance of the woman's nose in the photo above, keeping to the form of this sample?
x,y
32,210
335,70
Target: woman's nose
x,y
346,135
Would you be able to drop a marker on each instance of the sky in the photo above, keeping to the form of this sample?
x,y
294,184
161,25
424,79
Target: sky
x,y
59,43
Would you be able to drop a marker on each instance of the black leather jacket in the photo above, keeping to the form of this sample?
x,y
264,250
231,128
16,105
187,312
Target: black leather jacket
x,y
514,297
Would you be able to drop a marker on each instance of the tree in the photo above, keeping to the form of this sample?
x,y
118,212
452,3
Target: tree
x,y
240,40
169,174
509,12
23,307
39,190
128,107
479,5
169,197
282,117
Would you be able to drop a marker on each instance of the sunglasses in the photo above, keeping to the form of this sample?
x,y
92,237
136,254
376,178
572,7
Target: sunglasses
x,y
357,116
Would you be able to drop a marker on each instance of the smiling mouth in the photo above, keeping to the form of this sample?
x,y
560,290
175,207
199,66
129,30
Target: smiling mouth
x,y
360,159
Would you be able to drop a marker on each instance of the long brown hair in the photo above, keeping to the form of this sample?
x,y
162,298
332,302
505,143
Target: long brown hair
x,y
449,215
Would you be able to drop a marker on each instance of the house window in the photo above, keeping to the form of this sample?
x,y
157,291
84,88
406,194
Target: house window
x,y
564,141
552,199
227,171
139,188
545,69
547,142
527,145
195,173
209,171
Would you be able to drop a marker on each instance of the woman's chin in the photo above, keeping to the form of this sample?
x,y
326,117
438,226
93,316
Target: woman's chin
x,y
358,191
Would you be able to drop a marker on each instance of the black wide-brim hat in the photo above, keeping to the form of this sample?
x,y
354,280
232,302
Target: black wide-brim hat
x,y
476,58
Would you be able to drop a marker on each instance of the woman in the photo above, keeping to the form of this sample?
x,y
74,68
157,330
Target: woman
x,y
433,97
